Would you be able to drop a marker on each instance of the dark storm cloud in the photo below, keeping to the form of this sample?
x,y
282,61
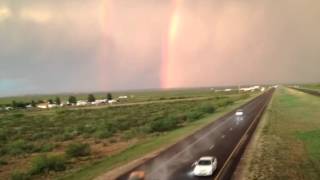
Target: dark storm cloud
x,y
81,45
242,42
56,46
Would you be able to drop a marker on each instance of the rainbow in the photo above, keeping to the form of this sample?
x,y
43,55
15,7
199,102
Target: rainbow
x,y
169,43
105,13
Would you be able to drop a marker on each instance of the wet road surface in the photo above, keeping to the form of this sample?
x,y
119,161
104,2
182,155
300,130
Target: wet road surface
x,y
225,139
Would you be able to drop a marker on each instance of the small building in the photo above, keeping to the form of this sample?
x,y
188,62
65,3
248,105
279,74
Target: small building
x,y
253,88
228,90
52,106
123,97
65,103
8,108
112,101
82,103
99,101
29,106
42,106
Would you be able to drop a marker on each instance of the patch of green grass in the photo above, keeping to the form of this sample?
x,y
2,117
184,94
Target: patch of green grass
x,y
312,86
19,147
312,141
78,149
289,144
17,175
44,164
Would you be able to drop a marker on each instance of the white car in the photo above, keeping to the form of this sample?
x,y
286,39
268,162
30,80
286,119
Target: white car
x,y
239,112
205,166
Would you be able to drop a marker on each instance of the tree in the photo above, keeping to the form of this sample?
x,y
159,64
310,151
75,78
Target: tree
x,y
109,96
91,98
33,103
58,101
72,100
18,104
50,101
14,104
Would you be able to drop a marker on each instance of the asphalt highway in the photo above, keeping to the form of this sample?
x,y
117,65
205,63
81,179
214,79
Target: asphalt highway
x,y
225,139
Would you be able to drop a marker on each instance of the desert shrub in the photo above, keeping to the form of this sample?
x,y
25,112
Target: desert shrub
x,y
113,140
68,135
165,124
225,103
207,108
181,118
3,162
63,112
103,134
146,129
3,136
244,96
40,135
110,126
78,149
124,125
134,132
86,129
193,116
3,151
20,147
17,115
47,147
17,175
44,164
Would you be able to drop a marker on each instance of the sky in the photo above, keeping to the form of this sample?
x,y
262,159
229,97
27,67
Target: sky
x,y
53,46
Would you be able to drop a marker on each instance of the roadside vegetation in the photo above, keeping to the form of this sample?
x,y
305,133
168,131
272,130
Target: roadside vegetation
x,y
46,144
312,86
288,146
133,96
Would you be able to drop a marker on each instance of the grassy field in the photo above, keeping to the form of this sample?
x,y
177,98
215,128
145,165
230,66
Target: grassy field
x,y
312,86
54,143
288,146
134,96
148,145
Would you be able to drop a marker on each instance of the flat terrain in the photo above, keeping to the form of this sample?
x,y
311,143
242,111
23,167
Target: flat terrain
x,y
133,96
55,143
219,139
312,86
288,145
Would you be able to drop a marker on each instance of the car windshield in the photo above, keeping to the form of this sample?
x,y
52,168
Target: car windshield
x,y
204,162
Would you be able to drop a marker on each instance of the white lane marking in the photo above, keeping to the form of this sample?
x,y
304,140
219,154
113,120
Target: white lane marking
x,y
211,147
